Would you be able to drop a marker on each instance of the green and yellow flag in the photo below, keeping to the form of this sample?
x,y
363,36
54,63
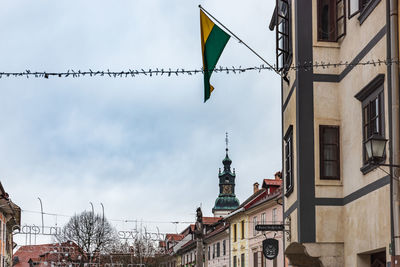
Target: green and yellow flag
x,y
213,41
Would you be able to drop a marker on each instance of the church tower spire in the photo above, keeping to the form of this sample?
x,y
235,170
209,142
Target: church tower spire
x,y
226,200
227,161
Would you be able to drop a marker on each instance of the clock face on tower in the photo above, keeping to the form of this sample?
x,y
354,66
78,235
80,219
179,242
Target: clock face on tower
x,y
227,189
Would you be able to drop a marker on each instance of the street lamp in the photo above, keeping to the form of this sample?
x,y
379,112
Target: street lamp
x,y
375,147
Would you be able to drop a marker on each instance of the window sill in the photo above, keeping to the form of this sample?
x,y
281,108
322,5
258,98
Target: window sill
x,y
367,10
325,44
324,182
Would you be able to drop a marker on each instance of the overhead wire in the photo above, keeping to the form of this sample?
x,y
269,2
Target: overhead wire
x,y
307,66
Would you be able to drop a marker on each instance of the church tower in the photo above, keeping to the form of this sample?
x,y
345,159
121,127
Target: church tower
x,y
226,201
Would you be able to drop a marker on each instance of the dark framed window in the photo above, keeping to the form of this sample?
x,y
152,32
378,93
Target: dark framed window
x,y
209,252
213,251
329,148
362,7
224,247
234,261
255,259
331,20
373,114
262,260
234,232
218,249
242,229
242,260
289,160
282,16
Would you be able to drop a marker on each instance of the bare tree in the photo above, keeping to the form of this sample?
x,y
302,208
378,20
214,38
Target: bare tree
x,y
139,250
91,232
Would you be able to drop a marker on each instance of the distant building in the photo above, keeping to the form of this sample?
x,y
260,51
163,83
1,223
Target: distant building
x,y
10,219
265,209
216,243
66,254
180,249
245,242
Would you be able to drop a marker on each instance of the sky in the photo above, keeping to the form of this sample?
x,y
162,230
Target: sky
x,y
147,148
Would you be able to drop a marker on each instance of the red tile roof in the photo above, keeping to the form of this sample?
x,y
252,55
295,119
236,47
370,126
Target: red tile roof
x,y
276,182
45,252
211,220
174,237
25,253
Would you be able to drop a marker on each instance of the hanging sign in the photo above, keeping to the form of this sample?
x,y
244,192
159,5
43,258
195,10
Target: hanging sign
x,y
270,227
270,248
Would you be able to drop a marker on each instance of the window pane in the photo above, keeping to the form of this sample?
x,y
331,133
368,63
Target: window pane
x,y
330,169
330,152
374,107
374,126
327,20
330,136
365,114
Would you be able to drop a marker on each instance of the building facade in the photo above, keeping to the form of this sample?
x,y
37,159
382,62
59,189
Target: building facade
x,y
10,219
216,244
265,210
342,210
245,242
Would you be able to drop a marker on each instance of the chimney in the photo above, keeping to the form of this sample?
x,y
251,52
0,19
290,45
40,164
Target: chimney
x,y
278,176
255,187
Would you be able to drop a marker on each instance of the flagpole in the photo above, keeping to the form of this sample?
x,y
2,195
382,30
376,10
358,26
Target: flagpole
x,y
240,41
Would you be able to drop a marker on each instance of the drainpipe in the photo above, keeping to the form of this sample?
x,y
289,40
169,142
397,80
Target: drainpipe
x,y
394,52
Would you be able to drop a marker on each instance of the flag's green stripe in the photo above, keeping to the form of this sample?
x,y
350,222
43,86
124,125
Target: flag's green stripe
x,y
213,48
207,89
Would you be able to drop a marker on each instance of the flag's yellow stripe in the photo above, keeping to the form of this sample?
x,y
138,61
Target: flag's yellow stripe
x,y
206,26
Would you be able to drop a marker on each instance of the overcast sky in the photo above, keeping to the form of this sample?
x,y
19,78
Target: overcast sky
x,y
148,148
